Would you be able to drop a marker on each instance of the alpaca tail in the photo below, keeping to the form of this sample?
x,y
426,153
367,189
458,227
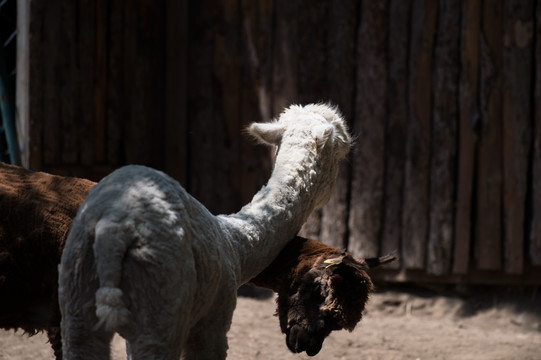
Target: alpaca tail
x,y
110,309
110,246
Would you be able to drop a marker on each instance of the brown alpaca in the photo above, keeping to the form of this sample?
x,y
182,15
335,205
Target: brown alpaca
x,y
320,289
36,212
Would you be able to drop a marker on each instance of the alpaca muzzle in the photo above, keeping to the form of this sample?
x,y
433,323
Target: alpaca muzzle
x,y
299,340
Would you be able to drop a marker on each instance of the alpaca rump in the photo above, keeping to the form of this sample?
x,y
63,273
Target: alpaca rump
x,y
320,289
145,259
36,211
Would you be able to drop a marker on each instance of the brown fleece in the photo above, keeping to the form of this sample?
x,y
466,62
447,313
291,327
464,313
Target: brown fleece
x,y
36,213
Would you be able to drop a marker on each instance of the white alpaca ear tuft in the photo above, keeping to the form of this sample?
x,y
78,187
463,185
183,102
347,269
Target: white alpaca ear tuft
x,y
321,134
269,133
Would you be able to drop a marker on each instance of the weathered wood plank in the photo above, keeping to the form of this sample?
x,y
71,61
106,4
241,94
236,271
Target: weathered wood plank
x,y
87,72
116,98
535,229
489,169
69,73
100,87
176,121
144,70
285,62
417,172
35,78
256,45
444,139
22,89
397,107
340,72
201,103
516,85
312,86
52,84
227,124
311,50
469,118
366,204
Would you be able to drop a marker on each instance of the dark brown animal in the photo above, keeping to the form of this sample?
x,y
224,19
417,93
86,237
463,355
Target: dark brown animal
x,y
320,289
36,212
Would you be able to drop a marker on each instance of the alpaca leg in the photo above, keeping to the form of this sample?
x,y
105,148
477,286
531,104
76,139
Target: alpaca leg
x,y
79,339
78,284
56,341
79,344
208,338
152,345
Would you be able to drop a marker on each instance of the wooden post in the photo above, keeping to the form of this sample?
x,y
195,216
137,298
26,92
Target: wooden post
x,y
116,98
469,120
395,140
256,61
22,87
340,70
535,230
311,54
368,158
417,173
444,139
516,85
201,103
489,169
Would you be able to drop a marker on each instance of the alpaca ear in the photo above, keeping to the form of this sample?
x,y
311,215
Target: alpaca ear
x,y
321,134
375,262
269,133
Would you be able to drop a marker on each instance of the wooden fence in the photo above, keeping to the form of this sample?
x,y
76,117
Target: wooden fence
x,y
443,97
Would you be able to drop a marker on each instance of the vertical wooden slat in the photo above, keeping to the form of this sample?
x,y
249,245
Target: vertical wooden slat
x,y
32,80
341,84
227,129
417,172
176,121
68,73
100,87
469,118
87,73
397,107
368,157
256,47
516,85
116,97
285,62
444,139
535,229
22,90
52,72
201,102
312,30
144,70
489,169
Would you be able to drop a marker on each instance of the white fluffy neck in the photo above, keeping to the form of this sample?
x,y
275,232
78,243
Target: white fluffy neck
x,y
276,213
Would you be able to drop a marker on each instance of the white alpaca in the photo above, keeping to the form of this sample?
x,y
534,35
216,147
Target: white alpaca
x,y
147,260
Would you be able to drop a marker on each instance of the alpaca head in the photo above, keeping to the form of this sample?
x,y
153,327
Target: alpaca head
x,y
314,136
329,295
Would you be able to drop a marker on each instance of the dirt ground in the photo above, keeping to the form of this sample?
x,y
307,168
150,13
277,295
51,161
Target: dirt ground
x,y
400,323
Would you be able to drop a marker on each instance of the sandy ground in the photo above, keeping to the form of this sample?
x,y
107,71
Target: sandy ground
x,y
400,323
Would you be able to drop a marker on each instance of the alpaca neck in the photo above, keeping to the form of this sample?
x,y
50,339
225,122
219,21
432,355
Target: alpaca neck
x,y
274,216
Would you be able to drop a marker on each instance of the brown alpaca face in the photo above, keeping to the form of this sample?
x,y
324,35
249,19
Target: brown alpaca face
x,y
324,299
